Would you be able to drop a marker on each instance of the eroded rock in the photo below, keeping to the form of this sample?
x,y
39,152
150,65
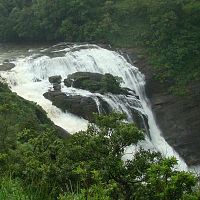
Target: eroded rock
x,y
55,79
81,106
178,117
6,66
96,83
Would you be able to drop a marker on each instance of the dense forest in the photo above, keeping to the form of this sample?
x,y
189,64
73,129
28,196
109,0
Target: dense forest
x,y
168,30
36,163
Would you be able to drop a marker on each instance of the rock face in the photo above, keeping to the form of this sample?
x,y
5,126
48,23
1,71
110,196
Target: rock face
x,y
83,106
95,82
55,79
78,105
85,80
7,65
177,117
62,133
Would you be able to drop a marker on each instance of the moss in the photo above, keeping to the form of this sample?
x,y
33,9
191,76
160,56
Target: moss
x,y
95,82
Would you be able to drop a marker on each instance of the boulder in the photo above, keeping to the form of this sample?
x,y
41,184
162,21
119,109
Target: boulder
x,y
141,121
84,80
55,79
6,66
62,133
6,61
82,106
56,87
96,83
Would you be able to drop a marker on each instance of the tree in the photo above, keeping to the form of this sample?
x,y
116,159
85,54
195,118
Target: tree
x,y
7,131
89,164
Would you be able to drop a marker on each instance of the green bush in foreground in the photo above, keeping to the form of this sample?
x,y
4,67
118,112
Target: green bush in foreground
x,y
88,165
11,190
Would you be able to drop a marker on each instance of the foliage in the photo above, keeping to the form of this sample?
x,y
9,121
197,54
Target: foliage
x,y
11,190
167,29
89,165
169,32
98,83
111,84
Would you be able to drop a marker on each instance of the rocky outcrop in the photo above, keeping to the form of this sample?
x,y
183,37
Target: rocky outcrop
x,y
62,133
178,117
56,82
55,79
80,80
7,65
83,106
78,105
96,83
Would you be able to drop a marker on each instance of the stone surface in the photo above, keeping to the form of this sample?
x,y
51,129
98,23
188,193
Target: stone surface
x,y
6,66
96,83
81,106
55,79
62,133
56,87
77,80
177,117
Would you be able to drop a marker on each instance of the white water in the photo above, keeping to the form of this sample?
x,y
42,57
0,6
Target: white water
x,y
28,70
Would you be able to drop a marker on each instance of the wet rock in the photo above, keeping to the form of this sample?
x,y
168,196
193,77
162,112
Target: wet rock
x,y
104,107
96,83
81,106
6,61
37,80
83,46
84,80
55,79
7,66
78,105
177,117
56,87
141,121
62,133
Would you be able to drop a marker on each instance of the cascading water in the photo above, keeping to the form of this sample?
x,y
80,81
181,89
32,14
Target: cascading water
x,y
29,79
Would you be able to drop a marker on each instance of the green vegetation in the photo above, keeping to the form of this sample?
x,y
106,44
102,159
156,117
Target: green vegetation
x,y
35,164
167,29
95,82
16,114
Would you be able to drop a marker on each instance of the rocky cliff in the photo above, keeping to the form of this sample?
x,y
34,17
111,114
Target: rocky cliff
x,y
178,117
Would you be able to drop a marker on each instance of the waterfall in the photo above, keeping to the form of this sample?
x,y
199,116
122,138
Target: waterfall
x,y
29,79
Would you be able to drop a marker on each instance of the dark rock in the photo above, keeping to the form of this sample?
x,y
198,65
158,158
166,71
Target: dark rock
x,y
78,80
177,117
141,121
104,107
78,105
7,66
127,91
55,79
83,46
62,133
6,61
95,82
56,87
37,80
